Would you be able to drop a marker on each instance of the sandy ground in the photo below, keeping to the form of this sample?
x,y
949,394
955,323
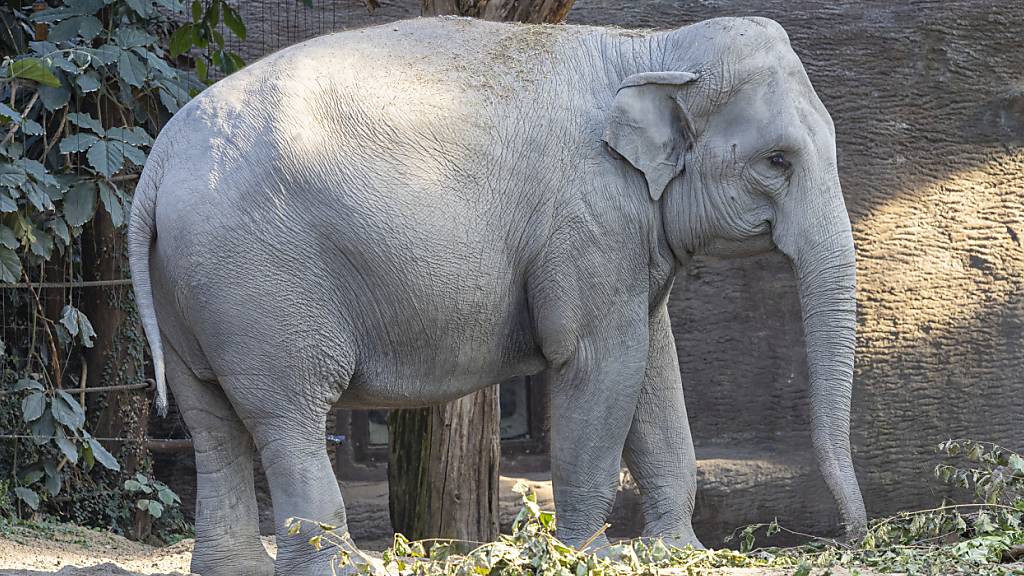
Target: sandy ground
x,y
71,550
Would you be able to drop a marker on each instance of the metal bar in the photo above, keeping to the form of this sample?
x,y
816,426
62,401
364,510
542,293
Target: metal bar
x,y
84,284
169,445
147,384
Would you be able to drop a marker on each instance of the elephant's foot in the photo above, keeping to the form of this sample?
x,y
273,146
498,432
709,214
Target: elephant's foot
x,y
683,540
305,561
231,559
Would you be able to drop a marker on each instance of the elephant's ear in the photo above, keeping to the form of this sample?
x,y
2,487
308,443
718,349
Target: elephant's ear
x,y
647,126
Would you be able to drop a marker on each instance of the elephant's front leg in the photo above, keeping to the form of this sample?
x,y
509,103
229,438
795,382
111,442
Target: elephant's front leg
x,y
593,396
659,448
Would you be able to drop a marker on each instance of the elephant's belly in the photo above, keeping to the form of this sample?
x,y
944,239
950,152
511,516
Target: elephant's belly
x,y
414,384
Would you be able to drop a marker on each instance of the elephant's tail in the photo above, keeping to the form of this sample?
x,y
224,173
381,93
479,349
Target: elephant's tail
x,y
141,235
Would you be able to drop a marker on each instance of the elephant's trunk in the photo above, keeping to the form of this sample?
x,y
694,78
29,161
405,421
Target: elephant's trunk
x,y
826,277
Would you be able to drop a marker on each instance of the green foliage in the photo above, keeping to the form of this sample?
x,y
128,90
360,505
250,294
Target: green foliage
x,y
156,496
982,538
80,108
202,32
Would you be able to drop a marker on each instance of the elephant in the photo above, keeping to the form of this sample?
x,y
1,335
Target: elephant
x,y
400,215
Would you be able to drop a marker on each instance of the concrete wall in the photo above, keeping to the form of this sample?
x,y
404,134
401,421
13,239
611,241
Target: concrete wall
x,y
928,101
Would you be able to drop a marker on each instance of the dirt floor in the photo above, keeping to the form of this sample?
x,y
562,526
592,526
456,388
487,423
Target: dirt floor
x,y
68,550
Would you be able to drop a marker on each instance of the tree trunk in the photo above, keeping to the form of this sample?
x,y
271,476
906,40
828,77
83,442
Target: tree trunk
x,y
443,469
443,461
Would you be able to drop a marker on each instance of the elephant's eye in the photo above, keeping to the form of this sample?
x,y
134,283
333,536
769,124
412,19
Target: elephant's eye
x,y
778,160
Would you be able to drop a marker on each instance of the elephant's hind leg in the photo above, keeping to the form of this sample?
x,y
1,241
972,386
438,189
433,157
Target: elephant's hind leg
x,y
227,522
288,418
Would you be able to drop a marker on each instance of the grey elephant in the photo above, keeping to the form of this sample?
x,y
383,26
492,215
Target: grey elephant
x,y
401,215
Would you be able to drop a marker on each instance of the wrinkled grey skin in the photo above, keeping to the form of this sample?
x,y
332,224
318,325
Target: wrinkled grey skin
x,y
401,215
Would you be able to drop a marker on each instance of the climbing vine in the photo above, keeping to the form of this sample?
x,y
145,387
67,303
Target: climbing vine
x,y
85,86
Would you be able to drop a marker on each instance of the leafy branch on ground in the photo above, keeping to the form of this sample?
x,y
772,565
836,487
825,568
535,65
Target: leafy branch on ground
x,y
981,538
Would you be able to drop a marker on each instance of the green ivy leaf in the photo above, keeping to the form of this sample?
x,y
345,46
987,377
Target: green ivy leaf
x,y
10,265
62,63
133,135
33,69
86,121
32,475
32,406
88,82
143,8
68,9
9,114
7,238
80,203
88,27
104,55
67,447
108,195
67,410
156,509
31,127
181,41
54,478
133,154
43,429
157,63
54,98
42,244
28,384
106,157
77,324
7,204
132,485
131,37
60,229
101,455
28,497
167,496
38,196
132,69
12,175
234,22
79,142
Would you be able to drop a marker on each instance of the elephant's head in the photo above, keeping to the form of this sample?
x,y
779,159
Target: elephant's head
x,y
740,154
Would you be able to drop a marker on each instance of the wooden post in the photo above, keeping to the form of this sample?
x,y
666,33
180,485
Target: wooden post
x,y
443,469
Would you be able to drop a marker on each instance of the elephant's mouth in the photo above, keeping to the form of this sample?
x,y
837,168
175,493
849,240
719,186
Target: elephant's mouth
x,y
729,248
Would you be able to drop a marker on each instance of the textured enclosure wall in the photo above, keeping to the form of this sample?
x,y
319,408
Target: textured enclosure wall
x,y
928,102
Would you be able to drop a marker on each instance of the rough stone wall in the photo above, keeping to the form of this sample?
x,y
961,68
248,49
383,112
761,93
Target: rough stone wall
x,y
928,102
